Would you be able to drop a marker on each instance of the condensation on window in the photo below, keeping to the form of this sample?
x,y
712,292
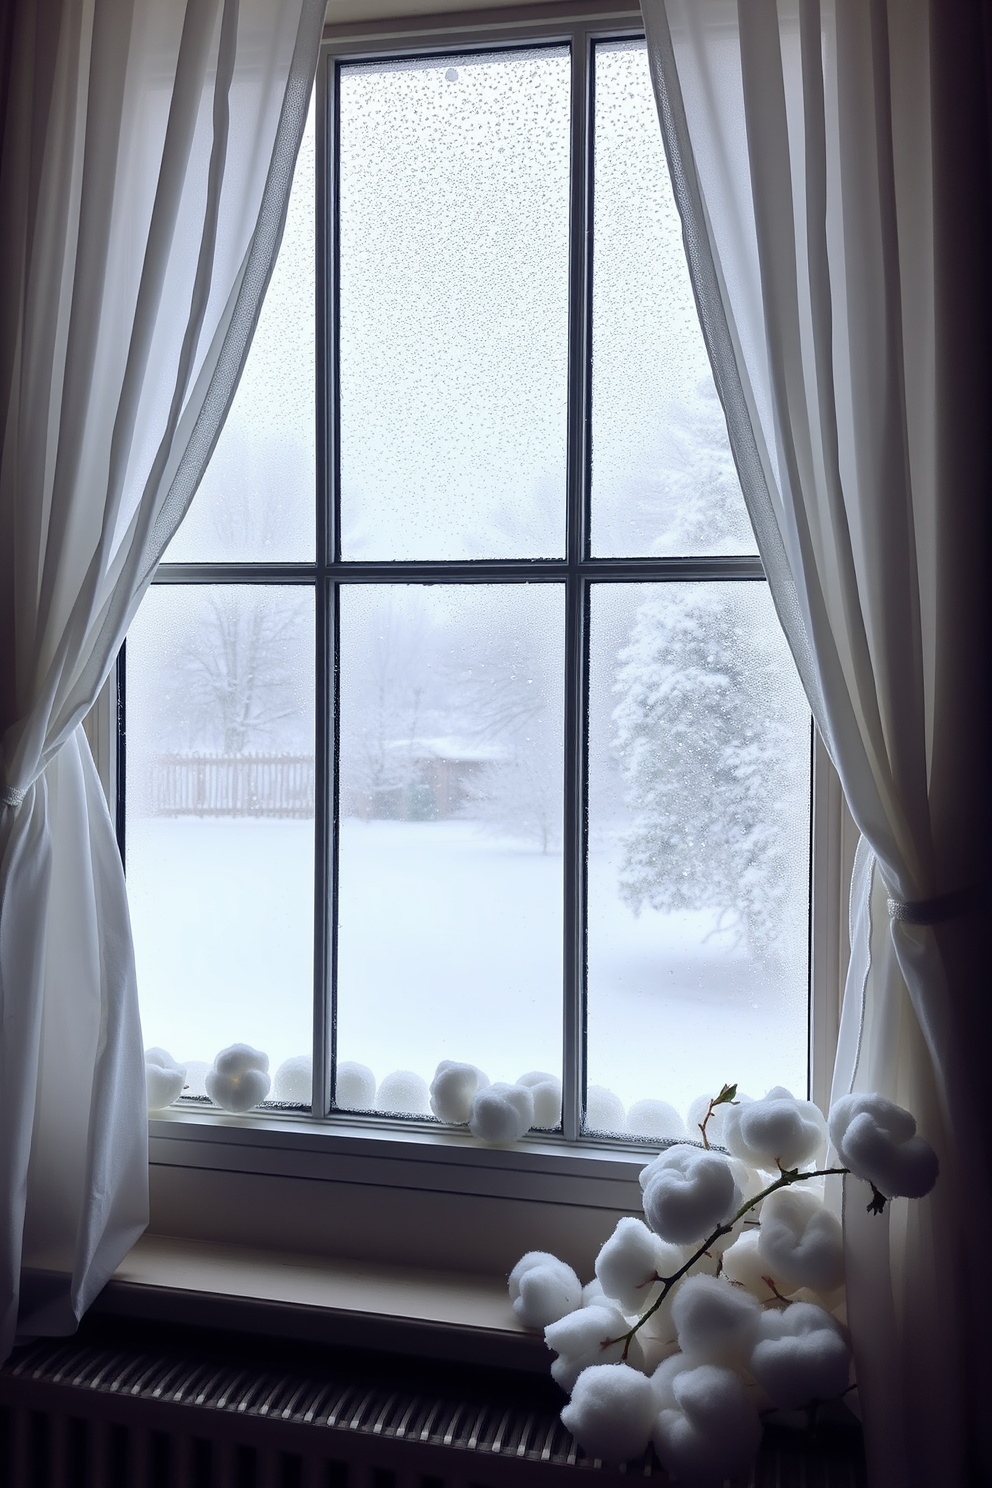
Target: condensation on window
x,y
663,477
454,197
256,502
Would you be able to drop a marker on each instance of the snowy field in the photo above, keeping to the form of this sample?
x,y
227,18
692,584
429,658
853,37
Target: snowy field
x,y
450,947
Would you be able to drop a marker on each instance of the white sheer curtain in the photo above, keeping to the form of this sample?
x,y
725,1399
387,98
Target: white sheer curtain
x,y
148,149
830,158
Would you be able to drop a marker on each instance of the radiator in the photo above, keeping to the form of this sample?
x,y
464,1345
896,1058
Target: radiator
x,y
92,1413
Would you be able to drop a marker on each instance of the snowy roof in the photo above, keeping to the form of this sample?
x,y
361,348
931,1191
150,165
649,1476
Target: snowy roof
x,y
448,747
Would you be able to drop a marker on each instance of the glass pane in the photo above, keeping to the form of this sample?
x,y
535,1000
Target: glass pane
x,y
220,753
256,500
454,305
663,479
699,743
450,873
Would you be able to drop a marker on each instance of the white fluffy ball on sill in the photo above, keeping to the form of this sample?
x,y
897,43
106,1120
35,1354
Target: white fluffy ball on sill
x,y
239,1079
164,1079
354,1087
293,1081
404,1092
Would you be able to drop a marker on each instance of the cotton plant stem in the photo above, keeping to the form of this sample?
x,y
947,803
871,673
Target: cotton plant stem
x,y
786,1179
725,1098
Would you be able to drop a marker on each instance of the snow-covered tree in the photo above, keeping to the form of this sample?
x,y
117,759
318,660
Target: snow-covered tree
x,y
691,498
680,495
712,746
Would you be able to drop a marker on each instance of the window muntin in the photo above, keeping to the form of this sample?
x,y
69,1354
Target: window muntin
x,y
335,573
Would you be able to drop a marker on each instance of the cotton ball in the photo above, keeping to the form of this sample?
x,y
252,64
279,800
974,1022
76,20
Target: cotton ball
x,y
716,1322
529,1262
590,1335
656,1119
802,1241
239,1079
164,1079
502,1113
592,1293
543,1289
775,1132
196,1077
546,1090
630,1262
611,1412
750,1182
405,1092
604,1110
354,1087
658,1336
453,1090
707,1429
799,1356
689,1193
663,1380
745,1266
293,1081
877,1140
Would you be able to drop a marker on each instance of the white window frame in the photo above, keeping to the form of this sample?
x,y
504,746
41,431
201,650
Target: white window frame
x,y
252,1179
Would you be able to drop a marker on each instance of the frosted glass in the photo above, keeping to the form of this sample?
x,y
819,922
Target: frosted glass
x,y
219,832
454,199
257,498
699,788
450,867
663,478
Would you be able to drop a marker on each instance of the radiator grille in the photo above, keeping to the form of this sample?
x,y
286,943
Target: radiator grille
x,y
80,1415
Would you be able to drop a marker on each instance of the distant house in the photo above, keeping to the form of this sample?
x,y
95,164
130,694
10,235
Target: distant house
x,y
435,777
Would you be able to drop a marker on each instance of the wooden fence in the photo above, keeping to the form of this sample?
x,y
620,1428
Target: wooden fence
x,y
232,785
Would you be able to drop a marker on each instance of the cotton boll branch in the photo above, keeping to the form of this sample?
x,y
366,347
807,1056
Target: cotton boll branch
x,y
725,1098
794,1350
788,1177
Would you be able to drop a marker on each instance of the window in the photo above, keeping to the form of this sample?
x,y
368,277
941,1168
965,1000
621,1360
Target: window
x,y
458,721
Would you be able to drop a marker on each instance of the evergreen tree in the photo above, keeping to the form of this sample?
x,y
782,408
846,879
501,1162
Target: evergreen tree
x,y
710,741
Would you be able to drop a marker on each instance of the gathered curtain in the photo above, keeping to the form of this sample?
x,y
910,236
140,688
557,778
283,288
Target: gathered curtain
x,y
830,159
148,148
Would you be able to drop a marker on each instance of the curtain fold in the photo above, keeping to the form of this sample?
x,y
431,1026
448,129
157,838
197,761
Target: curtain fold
x,y
830,159
147,155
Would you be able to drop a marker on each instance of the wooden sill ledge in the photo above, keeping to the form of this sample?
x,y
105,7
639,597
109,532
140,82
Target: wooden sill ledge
x,y
457,1316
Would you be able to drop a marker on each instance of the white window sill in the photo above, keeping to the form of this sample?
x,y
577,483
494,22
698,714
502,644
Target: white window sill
x,y
396,1196
458,1316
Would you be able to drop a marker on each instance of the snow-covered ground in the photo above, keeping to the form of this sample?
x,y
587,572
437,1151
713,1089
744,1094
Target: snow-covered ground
x,y
450,947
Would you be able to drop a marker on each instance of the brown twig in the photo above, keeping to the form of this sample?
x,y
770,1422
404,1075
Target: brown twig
x,y
786,1179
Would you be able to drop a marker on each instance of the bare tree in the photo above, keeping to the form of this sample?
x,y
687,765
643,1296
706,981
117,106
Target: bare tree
x,y
242,669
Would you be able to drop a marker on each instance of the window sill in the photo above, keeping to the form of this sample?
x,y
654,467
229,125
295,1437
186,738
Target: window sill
x,y
388,1193
456,1316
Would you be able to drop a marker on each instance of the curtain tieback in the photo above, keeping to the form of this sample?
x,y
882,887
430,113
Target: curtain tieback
x,y
934,911
11,796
